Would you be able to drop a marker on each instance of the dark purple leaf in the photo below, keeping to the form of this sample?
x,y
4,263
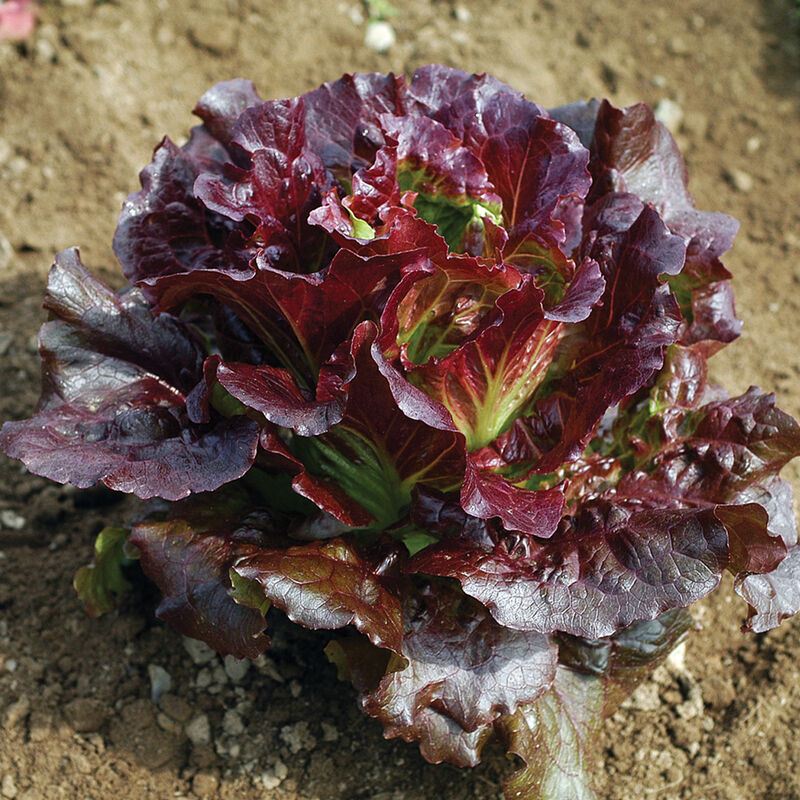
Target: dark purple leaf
x,y
609,566
486,495
163,228
189,557
621,344
343,119
463,672
223,104
632,152
115,385
280,183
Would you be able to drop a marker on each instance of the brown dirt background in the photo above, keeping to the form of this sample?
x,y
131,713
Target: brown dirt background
x,y
82,104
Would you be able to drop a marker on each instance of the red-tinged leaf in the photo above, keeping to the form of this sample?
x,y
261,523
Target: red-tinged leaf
x,y
533,162
452,96
724,447
163,228
486,495
632,152
752,548
115,384
486,382
451,187
282,181
375,188
556,737
274,393
222,105
378,454
435,309
343,119
621,344
189,558
773,596
302,319
329,585
607,567
463,672
325,493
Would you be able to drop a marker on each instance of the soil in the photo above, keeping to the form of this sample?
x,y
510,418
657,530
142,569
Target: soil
x,y
82,103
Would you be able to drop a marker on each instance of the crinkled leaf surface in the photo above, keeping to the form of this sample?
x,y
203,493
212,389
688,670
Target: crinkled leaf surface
x,y
330,585
463,671
163,228
556,737
113,408
609,566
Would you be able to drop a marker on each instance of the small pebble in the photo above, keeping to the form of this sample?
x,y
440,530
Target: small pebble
x,y
232,723
380,36
236,668
8,787
199,730
203,679
205,784
17,712
677,46
462,14
355,15
740,180
298,737
85,714
274,777
329,732
198,651
11,520
753,144
160,682
6,151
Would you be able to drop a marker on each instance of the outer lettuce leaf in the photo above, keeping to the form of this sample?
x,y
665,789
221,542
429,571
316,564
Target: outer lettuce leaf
x,y
99,583
223,104
343,119
487,495
621,344
631,152
330,585
301,319
189,557
556,738
556,735
115,384
463,671
605,568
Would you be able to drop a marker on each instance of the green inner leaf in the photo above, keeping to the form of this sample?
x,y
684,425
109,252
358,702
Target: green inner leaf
x,y
452,215
360,469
